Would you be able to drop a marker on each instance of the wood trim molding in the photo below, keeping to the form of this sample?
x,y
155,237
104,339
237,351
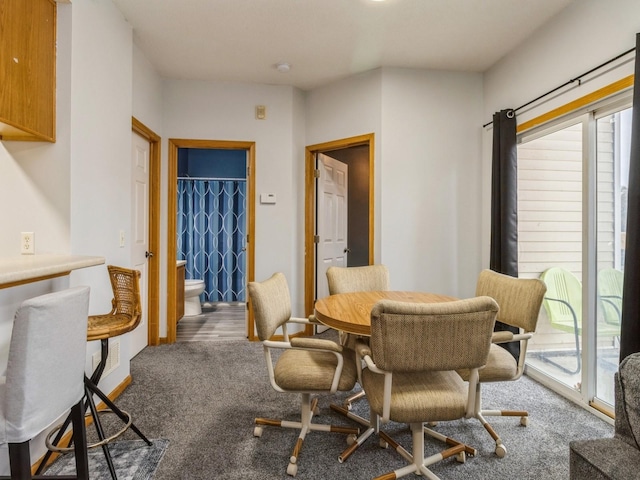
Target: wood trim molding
x,y
153,294
606,91
174,145
309,209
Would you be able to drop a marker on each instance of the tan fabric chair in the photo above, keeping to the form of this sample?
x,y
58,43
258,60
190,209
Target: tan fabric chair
x,y
369,278
410,374
519,300
306,365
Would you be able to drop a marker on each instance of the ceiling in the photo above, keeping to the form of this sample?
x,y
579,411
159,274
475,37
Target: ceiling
x,y
325,40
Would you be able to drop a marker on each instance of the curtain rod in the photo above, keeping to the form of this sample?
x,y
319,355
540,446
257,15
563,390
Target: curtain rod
x,y
215,179
576,79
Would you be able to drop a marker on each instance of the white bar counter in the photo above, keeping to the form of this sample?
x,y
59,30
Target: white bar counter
x,y
21,269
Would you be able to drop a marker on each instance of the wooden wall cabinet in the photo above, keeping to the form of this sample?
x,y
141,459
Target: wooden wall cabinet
x,y
27,70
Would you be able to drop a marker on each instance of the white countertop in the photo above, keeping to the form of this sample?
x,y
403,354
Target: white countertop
x,y
180,263
21,269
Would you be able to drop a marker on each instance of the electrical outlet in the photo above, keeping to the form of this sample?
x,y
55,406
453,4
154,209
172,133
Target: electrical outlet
x,y
27,243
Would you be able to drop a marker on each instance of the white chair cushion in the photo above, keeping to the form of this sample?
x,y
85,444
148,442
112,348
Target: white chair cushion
x,y
47,355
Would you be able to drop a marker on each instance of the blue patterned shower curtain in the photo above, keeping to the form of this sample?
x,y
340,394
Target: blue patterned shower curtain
x,y
211,235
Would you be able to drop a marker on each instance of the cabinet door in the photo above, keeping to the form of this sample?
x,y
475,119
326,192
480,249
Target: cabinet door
x,y
27,70
180,293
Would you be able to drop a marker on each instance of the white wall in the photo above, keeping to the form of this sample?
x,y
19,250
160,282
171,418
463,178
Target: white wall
x,y
147,92
147,108
101,73
427,156
75,193
344,109
226,111
584,35
430,169
37,173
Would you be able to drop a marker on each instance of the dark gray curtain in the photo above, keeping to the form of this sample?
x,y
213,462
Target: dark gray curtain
x,y
630,330
504,205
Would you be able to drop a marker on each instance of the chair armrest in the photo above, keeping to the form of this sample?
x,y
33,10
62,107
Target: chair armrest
x,y
304,321
388,382
313,320
362,349
502,336
316,344
506,337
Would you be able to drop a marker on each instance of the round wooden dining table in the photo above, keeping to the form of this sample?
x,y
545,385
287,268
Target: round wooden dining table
x,y
351,312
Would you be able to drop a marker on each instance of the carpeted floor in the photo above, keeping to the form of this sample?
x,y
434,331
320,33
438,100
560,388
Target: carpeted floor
x,y
204,396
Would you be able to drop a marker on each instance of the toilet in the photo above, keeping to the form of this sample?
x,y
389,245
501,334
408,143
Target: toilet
x,y
192,291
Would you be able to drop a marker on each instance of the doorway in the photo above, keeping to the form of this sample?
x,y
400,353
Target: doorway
x,y
177,148
151,285
358,154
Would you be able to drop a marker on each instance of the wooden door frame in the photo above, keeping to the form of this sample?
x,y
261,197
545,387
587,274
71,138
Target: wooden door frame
x,y
172,243
153,272
310,209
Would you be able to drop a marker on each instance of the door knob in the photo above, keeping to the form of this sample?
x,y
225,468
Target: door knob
x,y
148,254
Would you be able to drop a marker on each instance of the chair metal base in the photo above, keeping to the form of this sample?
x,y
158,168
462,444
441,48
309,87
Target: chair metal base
x,y
91,389
309,409
20,455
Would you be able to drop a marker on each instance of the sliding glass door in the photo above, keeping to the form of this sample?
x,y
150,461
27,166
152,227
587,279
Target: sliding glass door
x,y
572,184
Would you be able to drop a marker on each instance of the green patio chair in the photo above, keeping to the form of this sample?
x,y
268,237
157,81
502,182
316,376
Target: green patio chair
x,y
610,293
563,304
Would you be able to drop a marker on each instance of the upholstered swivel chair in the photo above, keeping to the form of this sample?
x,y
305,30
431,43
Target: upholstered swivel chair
x,y
45,376
306,366
519,300
358,279
410,374
124,316
369,278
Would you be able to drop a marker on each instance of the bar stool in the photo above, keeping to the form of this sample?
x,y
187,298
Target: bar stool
x,y
124,316
44,377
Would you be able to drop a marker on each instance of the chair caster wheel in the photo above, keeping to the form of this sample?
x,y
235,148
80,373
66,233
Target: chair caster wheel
x,y
348,406
257,431
501,451
292,469
524,421
316,411
351,439
383,444
461,457
432,424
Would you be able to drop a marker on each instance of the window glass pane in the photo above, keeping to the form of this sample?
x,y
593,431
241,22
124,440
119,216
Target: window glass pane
x,y
550,246
613,144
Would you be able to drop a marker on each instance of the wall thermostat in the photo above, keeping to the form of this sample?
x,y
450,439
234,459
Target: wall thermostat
x,y
267,198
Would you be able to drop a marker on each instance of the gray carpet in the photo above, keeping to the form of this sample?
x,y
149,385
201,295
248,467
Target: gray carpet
x,y
203,398
133,460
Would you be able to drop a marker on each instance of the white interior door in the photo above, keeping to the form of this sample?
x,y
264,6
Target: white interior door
x,y
332,200
140,232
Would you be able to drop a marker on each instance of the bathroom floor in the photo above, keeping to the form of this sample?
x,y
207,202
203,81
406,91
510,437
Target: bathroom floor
x,y
219,321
